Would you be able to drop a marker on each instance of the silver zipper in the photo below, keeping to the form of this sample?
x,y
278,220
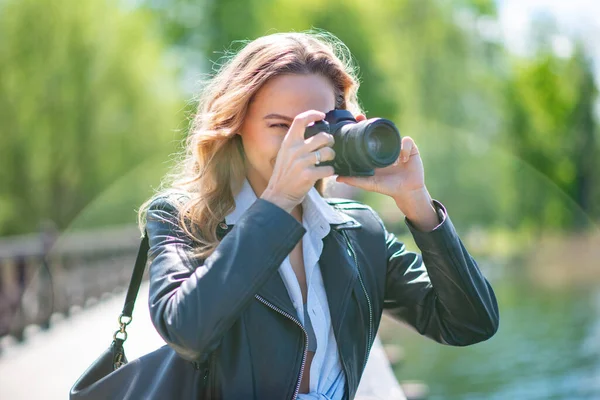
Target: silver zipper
x,y
362,284
285,314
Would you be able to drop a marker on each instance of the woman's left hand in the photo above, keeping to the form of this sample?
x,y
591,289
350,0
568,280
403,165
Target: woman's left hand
x,y
404,181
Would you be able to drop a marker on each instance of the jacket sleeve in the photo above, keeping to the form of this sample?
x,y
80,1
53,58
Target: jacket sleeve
x,y
193,302
440,292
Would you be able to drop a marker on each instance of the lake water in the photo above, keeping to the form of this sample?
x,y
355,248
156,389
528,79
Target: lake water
x,y
547,347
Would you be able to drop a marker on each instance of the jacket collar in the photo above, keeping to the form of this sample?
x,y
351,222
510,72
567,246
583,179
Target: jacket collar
x,y
338,276
312,203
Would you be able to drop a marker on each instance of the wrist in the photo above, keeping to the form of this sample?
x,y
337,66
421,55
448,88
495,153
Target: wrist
x,y
410,202
279,201
418,208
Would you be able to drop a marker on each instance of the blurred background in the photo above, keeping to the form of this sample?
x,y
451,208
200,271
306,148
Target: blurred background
x,y
501,97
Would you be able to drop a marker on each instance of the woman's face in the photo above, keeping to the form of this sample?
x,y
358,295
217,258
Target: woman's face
x,y
270,115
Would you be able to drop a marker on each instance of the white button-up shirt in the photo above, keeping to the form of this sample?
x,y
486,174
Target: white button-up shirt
x,y
327,380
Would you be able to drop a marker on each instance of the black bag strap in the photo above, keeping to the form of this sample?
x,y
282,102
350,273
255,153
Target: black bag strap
x,y
136,277
120,335
132,291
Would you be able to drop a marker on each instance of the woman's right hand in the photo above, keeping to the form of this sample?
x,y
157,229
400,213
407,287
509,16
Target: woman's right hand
x,y
295,172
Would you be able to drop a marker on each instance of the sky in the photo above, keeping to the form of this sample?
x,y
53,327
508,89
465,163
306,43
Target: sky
x,y
575,17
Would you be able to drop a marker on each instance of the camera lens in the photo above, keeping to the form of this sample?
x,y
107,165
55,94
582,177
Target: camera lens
x,y
374,143
382,143
360,147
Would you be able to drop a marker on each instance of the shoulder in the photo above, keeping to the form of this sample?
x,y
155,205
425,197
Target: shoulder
x,y
166,205
342,204
163,210
170,200
349,205
360,211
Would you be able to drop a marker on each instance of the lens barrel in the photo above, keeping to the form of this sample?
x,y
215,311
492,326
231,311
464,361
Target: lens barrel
x,y
360,147
374,143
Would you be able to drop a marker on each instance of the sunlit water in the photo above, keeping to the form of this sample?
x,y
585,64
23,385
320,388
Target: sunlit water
x,y
547,347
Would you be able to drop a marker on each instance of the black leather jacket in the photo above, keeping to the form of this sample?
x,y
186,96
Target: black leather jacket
x,y
231,313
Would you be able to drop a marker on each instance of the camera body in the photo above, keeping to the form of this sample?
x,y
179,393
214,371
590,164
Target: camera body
x,y
359,147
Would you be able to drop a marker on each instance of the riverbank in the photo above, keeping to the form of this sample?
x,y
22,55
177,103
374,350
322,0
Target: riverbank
x,y
549,260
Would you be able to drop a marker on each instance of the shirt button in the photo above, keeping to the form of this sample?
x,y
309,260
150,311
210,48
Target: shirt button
x,y
223,225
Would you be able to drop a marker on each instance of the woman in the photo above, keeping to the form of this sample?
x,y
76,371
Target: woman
x,y
271,289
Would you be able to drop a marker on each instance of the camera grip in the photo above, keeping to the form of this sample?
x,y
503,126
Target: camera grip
x,y
319,126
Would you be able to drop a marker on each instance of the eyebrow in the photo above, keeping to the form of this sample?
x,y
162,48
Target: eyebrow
x,y
278,116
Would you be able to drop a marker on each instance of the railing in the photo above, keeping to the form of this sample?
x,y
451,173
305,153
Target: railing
x,y
41,274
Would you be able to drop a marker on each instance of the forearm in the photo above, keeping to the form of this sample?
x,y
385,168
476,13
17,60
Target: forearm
x,y
418,207
193,303
464,298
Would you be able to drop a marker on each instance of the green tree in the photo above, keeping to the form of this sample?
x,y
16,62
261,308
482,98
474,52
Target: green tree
x,y
418,66
86,94
430,67
550,104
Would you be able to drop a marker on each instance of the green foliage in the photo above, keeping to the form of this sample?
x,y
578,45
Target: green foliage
x,y
550,104
85,96
417,67
480,7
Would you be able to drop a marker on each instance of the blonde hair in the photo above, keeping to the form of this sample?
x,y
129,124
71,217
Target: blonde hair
x,y
211,170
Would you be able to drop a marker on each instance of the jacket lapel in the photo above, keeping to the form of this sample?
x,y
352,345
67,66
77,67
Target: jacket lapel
x,y
275,292
339,275
337,268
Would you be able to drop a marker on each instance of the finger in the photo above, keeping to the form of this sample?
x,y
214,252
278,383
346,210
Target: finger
x,y
361,182
325,154
302,120
320,172
320,140
407,147
360,117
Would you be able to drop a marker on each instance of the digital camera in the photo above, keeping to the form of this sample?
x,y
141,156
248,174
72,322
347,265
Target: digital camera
x,y
359,147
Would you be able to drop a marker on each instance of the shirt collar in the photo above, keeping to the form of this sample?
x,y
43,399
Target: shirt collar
x,y
313,205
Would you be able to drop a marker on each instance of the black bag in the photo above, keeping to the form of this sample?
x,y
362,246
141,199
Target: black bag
x,y
161,374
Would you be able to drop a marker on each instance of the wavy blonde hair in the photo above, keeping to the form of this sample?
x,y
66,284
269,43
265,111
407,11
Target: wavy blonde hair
x,y
211,169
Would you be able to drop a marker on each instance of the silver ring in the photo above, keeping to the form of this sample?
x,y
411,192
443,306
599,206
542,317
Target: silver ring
x,y
318,157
